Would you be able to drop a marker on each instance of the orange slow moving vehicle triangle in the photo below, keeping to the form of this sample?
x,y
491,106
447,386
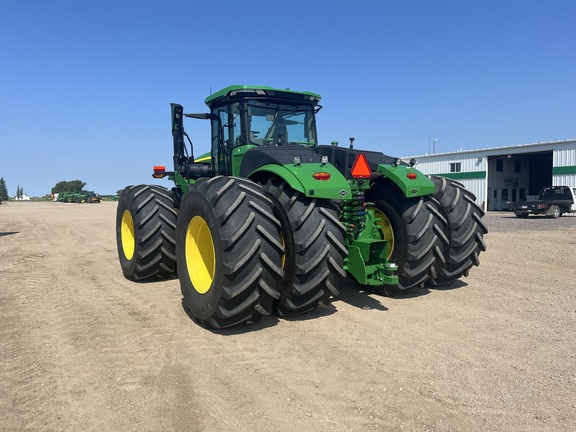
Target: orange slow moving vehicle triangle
x,y
361,168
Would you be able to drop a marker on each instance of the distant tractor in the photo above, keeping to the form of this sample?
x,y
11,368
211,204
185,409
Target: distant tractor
x,y
81,197
270,221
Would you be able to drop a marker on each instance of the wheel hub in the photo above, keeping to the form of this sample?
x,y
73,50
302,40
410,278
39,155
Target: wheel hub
x,y
200,254
127,235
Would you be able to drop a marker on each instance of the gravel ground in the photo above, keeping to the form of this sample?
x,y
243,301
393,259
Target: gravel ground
x,y
84,349
507,222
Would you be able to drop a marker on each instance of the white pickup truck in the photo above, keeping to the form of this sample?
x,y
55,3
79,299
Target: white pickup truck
x,y
552,201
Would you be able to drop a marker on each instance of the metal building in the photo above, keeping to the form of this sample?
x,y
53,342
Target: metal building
x,y
500,175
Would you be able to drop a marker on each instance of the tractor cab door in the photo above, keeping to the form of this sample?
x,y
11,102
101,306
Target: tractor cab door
x,y
226,134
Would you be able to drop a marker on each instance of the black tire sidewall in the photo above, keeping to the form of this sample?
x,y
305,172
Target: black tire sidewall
x,y
126,202
290,251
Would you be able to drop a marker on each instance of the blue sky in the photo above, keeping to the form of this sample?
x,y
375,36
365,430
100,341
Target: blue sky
x,y
86,85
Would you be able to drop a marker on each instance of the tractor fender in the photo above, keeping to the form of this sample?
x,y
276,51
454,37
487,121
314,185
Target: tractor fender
x,y
259,163
410,181
299,177
381,165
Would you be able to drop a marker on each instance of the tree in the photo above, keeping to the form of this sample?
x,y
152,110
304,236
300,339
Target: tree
x,y
19,192
74,186
3,190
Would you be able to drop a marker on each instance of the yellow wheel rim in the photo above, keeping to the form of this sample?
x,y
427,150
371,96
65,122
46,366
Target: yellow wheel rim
x,y
386,227
127,235
200,254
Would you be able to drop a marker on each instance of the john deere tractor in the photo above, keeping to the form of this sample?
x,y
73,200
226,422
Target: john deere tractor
x,y
271,221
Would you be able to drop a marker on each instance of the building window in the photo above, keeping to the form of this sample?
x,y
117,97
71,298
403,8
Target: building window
x,y
504,194
455,167
517,166
499,165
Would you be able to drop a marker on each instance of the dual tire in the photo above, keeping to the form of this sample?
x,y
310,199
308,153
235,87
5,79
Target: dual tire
x,y
246,250
145,232
415,229
434,239
229,252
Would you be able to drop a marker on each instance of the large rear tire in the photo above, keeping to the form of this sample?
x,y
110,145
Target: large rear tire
x,y
415,229
229,252
465,230
314,240
145,232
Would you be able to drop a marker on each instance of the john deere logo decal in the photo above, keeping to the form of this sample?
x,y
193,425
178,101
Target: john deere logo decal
x,y
343,192
414,191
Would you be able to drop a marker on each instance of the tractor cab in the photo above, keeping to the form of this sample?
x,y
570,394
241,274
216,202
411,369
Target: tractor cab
x,y
246,117
243,118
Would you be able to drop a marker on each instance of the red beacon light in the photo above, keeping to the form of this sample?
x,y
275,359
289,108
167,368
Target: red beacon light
x,y
361,168
412,175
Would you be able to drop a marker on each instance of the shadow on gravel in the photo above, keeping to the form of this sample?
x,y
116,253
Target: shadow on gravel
x,y
350,293
531,217
416,292
321,311
264,322
357,295
454,285
155,280
2,234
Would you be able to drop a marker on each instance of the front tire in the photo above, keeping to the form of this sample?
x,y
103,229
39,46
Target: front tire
x,y
228,252
145,232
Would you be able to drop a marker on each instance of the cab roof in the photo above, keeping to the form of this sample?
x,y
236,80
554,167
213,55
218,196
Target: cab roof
x,y
260,92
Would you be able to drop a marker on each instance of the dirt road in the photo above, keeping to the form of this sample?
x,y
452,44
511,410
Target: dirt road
x,y
83,349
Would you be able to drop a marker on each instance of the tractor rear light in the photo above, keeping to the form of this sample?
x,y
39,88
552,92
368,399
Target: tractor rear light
x,y
361,169
321,175
159,171
412,175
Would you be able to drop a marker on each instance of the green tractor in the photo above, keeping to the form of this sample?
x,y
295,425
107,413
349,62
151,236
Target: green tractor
x,y
91,197
270,221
